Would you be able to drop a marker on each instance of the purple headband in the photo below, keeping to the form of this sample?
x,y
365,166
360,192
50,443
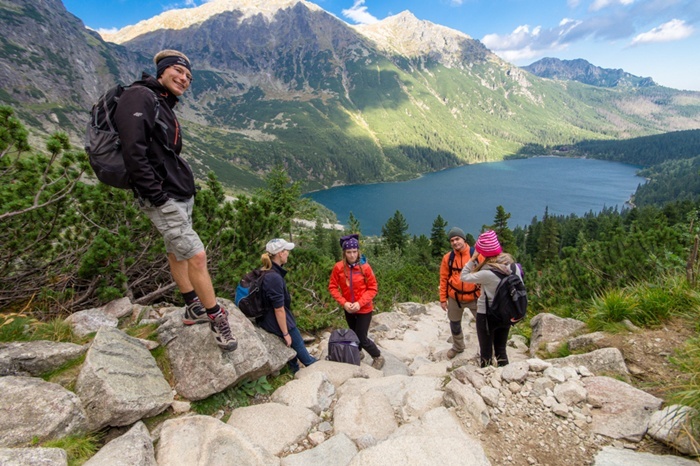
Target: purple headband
x,y
350,242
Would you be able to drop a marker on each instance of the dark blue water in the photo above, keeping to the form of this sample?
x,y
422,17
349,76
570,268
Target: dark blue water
x,y
468,196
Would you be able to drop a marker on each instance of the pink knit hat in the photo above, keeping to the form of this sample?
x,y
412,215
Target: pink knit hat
x,y
487,245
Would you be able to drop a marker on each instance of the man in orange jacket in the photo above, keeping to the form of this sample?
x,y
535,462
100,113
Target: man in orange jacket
x,y
455,295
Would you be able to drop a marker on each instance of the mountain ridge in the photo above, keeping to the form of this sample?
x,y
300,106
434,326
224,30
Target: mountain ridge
x,y
333,103
583,71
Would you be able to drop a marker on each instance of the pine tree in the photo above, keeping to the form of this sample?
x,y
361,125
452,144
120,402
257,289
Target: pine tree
x,y
353,224
439,243
505,234
394,232
548,244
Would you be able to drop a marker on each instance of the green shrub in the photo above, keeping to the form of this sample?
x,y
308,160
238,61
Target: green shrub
x,y
610,307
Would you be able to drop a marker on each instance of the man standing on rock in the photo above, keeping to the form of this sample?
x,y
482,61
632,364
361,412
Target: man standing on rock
x,y
163,183
455,295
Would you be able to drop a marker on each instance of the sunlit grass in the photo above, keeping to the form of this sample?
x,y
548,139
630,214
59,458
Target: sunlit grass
x,y
610,308
78,448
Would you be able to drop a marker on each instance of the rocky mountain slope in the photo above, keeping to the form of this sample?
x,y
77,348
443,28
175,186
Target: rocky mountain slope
x,y
284,82
582,71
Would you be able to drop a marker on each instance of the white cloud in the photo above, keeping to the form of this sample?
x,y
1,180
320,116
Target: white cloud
x,y
525,43
675,29
358,13
600,4
103,31
456,2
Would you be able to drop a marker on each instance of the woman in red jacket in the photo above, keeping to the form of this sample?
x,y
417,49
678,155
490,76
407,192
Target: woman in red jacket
x,y
354,286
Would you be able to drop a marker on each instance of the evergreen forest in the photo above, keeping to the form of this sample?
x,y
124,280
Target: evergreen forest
x,y
68,243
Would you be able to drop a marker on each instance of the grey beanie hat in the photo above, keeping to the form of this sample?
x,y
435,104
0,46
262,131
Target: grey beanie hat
x,y
454,231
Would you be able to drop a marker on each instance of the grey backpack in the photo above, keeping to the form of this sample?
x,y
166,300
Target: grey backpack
x,y
344,346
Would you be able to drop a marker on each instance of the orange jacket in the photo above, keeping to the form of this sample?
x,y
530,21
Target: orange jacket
x,y
450,283
349,284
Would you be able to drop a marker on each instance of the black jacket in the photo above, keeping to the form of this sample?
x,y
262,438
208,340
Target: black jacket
x,y
276,295
152,148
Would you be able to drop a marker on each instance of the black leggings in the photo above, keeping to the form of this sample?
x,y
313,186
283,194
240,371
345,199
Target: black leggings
x,y
359,323
490,341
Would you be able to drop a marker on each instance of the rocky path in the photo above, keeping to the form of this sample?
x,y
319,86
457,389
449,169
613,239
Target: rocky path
x,y
421,408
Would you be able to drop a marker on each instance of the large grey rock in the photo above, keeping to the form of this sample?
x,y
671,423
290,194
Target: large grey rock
x,y
570,392
36,357
410,397
339,450
201,369
586,341
338,372
411,309
118,308
90,320
120,381
273,426
31,408
33,457
605,361
611,456
312,392
469,400
203,440
133,448
547,328
437,438
671,426
368,414
515,372
624,411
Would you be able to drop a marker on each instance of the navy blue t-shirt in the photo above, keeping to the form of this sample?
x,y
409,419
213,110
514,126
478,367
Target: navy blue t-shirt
x,y
275,295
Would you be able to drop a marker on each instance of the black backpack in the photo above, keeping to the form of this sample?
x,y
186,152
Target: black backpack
x,y
509,305
344,346
249,294
102,140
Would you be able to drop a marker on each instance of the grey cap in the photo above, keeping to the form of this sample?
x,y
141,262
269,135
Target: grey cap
x,y
454,231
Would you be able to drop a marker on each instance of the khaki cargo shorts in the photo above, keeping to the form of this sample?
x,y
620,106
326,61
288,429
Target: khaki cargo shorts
x,y
174,222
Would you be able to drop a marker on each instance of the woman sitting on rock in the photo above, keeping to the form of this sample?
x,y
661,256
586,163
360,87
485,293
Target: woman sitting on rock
x,y
278,318
354,286
491,340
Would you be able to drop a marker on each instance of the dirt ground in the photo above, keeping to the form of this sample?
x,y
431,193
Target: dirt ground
x,y
528,434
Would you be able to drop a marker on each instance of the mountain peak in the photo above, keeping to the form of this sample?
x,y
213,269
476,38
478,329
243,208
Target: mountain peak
x,y
404,34
186,17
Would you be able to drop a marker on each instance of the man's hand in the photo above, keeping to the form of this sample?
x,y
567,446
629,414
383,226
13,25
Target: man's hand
x,y
443,305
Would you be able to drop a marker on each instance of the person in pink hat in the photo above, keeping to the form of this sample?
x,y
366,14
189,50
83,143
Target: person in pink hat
x,y
491,340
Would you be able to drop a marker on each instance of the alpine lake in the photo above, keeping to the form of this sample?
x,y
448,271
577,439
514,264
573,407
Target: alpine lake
x,y
467,196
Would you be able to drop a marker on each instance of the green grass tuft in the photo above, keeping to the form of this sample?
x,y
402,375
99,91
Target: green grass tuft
x,y
78,448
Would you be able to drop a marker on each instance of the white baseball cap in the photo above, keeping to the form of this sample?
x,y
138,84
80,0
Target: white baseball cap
x,y
277,245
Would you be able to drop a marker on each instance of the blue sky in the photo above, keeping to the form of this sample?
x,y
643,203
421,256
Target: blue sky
x,y
656,38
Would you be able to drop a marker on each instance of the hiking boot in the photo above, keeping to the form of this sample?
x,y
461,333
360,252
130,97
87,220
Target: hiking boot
x,y
378,362
218,323
457,346
195,313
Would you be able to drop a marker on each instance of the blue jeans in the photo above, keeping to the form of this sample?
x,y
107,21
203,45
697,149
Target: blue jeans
x,y
303,355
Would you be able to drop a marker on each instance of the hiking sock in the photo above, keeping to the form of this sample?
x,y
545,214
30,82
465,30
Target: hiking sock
x,y
190,297
214,310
